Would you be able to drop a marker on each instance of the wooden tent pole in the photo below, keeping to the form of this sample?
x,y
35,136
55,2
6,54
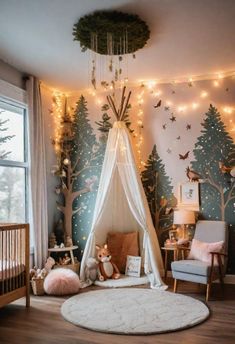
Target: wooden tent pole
x,y
122,101
125,107
111,103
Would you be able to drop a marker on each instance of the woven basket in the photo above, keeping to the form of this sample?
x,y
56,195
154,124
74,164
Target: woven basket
x,y
74,267
37,286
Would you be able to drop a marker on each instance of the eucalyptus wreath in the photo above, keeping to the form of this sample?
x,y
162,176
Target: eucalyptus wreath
x,y
129,32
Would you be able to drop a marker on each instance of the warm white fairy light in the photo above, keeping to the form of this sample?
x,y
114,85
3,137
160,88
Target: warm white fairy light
x,y
204,94
140,95
59,108
150,84
139,128
57,113
99,101
195,106
182,108
169,103
157,93
228,110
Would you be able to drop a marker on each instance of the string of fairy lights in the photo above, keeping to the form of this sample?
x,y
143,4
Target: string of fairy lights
x,y
152,88
57,111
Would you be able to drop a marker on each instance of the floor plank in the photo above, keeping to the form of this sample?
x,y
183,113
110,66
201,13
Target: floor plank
x,y
43,323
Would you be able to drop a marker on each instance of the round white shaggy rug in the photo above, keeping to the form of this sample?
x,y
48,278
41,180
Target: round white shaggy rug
x,y
133,311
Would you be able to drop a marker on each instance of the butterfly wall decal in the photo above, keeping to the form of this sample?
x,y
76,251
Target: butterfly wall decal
x,y
158,104
184,156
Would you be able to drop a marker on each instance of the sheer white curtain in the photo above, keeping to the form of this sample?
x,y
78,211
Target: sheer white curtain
x,y
38,187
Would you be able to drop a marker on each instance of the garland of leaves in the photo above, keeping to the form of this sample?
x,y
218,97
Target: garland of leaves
x,y
118,24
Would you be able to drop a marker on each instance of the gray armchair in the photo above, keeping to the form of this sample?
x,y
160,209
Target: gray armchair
x,y
198,271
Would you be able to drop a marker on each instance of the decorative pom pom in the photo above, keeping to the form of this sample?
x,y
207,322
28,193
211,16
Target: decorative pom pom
x,y
61,282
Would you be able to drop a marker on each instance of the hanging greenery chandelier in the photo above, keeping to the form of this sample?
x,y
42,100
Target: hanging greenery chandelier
x,y
113,34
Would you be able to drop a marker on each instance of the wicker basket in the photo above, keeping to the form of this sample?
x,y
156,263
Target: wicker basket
x,y
37,286
74,267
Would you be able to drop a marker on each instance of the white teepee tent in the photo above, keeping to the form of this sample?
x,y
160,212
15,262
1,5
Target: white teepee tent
x,y
121,205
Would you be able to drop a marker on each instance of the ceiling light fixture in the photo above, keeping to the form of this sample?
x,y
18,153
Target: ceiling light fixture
x,y
111,36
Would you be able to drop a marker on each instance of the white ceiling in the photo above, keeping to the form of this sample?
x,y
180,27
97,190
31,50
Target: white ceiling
x,y
188,37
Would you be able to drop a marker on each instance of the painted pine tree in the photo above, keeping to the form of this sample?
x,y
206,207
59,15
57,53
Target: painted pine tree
x,y
158,190
78,170
87,159
218,189
104,125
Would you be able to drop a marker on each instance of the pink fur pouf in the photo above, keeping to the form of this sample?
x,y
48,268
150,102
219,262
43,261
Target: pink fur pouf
x,y
61,282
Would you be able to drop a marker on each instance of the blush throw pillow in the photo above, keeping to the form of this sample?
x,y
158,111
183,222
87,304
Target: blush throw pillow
x,y
201,250
122,244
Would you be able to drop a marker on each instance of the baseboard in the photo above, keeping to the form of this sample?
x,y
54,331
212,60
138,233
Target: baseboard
x,y
228,279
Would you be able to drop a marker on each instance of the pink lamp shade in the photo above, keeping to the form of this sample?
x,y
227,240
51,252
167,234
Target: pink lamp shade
x,y
184,217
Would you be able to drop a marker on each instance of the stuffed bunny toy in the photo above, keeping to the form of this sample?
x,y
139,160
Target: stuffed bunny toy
x,y
91,269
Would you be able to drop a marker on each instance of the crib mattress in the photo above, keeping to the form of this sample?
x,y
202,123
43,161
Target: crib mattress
x,y
9,269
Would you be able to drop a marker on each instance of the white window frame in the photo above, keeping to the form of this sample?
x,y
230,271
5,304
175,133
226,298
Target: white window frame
x,y
14,96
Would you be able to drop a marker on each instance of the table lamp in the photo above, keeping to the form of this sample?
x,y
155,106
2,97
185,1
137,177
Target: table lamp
x,y
184,217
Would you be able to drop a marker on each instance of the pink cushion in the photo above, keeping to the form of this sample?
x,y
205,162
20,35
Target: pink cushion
x,y
201,250
61,282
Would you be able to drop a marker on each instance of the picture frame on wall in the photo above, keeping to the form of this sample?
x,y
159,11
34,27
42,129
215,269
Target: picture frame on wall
x,y
188,195
133,266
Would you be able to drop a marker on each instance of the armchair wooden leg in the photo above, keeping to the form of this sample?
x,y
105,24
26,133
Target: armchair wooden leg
x,y
208,289
175,285
221,272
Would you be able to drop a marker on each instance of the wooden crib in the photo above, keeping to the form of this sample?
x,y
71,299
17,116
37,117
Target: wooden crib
x,y
14,263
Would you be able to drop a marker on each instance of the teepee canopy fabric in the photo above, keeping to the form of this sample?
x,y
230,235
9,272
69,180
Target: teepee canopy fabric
x,y
121,205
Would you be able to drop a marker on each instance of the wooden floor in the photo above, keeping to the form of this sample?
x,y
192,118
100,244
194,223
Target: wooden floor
x,y
43,323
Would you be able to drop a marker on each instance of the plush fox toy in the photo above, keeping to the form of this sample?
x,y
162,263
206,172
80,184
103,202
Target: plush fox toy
x,y
106,268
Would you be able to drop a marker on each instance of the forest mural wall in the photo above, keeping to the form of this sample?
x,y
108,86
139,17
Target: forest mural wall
x,y
183,125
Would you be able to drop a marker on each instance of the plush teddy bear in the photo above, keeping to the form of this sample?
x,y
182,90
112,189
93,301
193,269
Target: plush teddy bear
x,y
49,264
107,269
91,269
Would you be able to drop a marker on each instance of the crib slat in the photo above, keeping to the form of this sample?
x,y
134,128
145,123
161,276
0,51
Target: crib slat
x,y
14,257
8,261
11,262
1,245
14,262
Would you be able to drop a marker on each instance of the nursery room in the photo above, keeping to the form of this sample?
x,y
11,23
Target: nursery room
x,y
117,171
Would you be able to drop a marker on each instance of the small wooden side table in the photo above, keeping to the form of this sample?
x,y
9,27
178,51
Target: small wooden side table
x,y
175,250
64,249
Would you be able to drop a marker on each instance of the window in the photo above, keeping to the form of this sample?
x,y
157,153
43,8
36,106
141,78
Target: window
x,y
13,162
